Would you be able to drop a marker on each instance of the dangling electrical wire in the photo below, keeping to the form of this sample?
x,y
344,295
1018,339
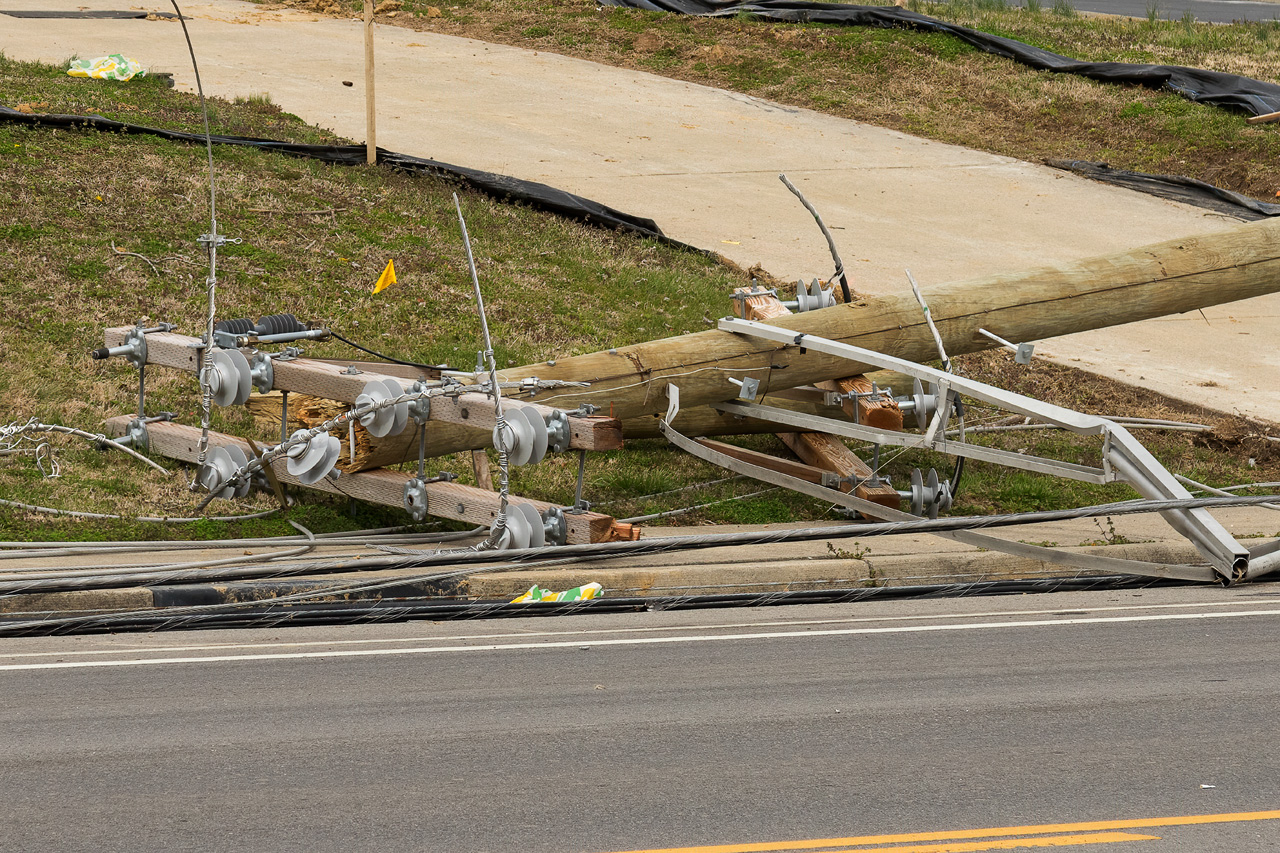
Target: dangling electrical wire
x,y
211,241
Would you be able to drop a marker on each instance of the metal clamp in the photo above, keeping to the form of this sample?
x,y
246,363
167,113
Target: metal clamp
x,y
1022,352
558,431
261,372
135,434
419,408
133,350
415,499
415,493
555,526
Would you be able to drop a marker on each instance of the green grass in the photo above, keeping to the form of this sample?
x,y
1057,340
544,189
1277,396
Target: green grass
x,y
314,237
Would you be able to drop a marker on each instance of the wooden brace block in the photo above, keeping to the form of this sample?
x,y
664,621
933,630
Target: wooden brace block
x,y
384,486
799,470
829,453
882,414
586,432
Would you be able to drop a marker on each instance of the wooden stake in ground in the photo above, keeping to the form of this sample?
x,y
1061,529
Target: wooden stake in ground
x,y
370,113
480,466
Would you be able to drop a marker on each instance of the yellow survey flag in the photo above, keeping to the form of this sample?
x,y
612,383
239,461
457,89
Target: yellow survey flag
x,y
387,278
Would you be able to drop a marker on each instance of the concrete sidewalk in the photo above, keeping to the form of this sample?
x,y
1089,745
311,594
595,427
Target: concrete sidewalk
x,y
704,163
902,560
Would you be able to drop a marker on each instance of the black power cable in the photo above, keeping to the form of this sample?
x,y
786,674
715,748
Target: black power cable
x,y
438,609
436,368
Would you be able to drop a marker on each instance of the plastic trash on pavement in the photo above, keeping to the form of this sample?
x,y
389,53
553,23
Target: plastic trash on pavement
x,y
578,593
113,67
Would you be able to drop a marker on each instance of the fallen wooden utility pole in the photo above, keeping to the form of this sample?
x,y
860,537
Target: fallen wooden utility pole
x,y
628,382
1165,278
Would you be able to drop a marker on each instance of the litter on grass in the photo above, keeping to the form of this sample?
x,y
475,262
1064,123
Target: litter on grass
x,y
113,67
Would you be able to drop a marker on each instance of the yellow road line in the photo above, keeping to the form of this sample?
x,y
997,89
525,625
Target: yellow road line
x,y
1010,843
961,834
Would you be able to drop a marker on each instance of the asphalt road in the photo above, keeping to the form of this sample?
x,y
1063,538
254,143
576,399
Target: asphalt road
x,y
1206,11
1110,717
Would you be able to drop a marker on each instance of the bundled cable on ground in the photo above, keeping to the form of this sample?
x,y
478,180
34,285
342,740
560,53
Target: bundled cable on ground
x,y
394,557
256,615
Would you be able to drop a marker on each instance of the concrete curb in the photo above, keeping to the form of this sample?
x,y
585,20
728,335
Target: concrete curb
x,y
687,579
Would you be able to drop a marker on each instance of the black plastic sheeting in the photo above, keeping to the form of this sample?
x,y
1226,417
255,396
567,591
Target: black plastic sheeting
x,y
500,187
106,15
1175,188
1206,87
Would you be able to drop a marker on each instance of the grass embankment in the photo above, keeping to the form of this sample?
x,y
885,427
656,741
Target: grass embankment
x,y
315,238
929,85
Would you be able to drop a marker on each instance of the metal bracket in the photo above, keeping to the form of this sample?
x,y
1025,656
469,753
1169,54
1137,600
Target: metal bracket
x,y
741,296
832,480
1021,352
216,240
133,350
415,499
875,395
420,408
748,387
415,493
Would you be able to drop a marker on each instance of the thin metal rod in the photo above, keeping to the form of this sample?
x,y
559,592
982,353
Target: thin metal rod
x,y
831,243
1001,341
582,471
142,390
422,451
500,431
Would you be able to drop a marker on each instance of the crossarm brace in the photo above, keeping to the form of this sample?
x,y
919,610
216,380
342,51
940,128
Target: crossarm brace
x,y
1089,562
1121,451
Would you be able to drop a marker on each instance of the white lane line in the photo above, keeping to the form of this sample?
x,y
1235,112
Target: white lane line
x,y
919,617
639,641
